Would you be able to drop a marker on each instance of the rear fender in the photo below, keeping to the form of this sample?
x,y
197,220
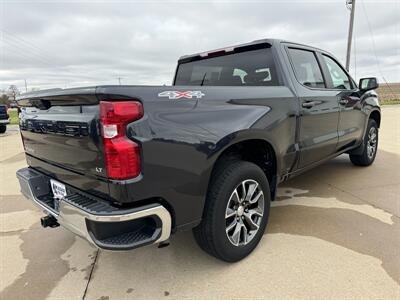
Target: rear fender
x,y
230,140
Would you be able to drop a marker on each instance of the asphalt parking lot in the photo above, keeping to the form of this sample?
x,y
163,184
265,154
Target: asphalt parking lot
x,y
334,232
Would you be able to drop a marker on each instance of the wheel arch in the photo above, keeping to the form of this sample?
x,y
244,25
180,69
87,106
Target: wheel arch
x,y
256,150
376,116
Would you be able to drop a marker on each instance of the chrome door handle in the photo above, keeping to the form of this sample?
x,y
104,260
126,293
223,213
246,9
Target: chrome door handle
x,y
308,104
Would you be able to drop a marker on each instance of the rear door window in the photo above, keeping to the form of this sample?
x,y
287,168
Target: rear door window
x,y
249,68
306,68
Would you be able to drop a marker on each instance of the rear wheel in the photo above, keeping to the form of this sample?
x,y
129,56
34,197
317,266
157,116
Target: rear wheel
x,y
236,212
368,155
3,128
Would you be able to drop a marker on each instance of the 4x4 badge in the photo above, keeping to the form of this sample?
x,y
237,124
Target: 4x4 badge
x,y
177,94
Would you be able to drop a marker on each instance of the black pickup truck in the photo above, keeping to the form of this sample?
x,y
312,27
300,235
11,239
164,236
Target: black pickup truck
x,y
4,118
127,166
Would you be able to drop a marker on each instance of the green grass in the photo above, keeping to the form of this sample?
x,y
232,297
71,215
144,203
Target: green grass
x,y
389,93
13,116
390,102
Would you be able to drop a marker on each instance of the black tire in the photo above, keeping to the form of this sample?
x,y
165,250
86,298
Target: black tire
x,y
211,233
3,128
366,158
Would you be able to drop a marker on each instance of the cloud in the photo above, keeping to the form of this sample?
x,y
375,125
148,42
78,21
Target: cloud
x,y
74,43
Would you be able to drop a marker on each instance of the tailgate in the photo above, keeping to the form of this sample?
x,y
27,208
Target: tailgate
x,y
61,128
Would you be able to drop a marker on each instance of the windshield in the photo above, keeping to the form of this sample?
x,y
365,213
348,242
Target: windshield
x,y
250,68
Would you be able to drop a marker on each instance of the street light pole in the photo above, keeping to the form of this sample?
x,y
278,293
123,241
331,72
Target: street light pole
x,y
351,4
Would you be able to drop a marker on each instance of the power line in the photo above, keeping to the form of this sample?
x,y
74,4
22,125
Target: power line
x,y
17,39
374,49
19,51
372,38
28,51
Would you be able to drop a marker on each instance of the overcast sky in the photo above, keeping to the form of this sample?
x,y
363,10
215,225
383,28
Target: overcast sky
x,y
81,43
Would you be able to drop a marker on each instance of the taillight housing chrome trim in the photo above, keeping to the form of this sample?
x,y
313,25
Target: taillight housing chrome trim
x,y
122,155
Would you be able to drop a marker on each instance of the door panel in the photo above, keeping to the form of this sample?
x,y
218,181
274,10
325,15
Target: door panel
x,y
318,126
352,119
319,108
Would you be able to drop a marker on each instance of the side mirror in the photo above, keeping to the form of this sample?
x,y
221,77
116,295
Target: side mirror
x,y
367,84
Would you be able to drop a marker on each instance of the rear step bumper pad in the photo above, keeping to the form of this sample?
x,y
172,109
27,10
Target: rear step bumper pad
x,y
115,229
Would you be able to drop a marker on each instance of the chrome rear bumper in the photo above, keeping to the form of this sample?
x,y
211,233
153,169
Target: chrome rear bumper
x,y
103,225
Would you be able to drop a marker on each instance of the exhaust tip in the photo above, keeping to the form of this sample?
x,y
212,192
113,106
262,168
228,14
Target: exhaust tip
x,y
49,221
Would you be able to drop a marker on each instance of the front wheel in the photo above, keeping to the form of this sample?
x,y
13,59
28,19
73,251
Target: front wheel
x,y
3,128
236,211
370,141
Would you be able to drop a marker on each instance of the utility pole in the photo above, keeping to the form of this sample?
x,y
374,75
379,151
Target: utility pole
x,y
26,86
351,4
119,79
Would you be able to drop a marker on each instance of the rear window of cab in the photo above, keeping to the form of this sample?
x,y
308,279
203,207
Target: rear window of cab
x,y
249,68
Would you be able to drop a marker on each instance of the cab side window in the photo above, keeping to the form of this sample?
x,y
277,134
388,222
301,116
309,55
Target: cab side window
x,y
306,68
340,79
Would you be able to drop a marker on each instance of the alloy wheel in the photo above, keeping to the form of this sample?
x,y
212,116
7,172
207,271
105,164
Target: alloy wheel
x,y
244,212
372,142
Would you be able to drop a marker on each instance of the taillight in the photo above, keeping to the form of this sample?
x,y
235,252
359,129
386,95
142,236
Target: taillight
x,y
121,154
